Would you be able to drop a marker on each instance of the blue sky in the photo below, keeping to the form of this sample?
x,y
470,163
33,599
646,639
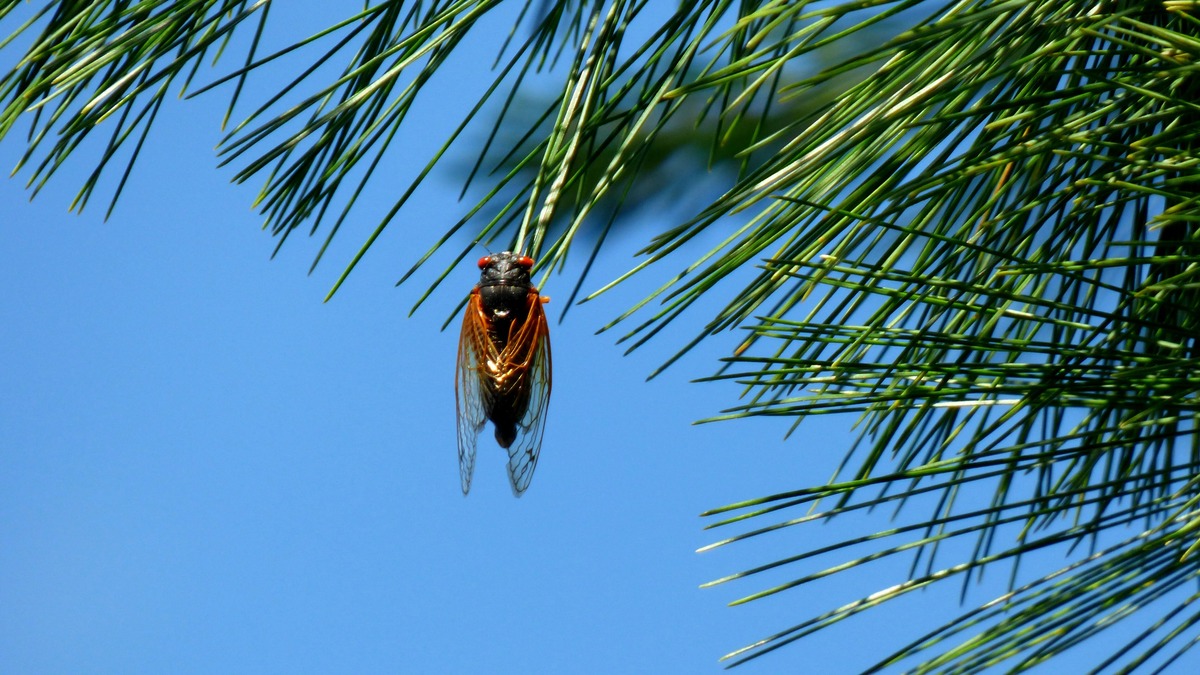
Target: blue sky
x,y
205,468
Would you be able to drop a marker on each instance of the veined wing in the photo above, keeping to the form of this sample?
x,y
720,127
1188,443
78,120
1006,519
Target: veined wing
x,y
469,390
530,350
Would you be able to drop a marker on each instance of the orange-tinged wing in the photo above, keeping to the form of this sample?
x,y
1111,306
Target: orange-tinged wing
x,y
486,373
470,394
528,355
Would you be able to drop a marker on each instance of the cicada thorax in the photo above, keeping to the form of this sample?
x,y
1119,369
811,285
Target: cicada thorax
x,y
506,308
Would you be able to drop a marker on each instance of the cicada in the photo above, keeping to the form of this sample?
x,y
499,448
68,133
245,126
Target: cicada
x,y
503,368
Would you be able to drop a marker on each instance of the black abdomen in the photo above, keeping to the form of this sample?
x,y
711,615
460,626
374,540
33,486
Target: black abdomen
x,y
505,307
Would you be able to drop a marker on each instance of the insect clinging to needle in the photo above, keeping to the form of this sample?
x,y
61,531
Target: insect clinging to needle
x,y
503,373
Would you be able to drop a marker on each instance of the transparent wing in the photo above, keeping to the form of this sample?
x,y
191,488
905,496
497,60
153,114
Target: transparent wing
x,y
469,391
532,351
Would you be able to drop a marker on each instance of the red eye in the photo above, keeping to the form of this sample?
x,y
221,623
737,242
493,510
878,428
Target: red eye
x,y
483,262
525,262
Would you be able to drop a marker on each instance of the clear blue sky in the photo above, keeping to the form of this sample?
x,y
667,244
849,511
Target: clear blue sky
x,y
203,468
206,469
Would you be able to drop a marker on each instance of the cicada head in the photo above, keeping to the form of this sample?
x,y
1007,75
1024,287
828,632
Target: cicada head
x,y
505,269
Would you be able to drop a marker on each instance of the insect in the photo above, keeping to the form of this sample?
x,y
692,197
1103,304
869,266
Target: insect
x,y
503,370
